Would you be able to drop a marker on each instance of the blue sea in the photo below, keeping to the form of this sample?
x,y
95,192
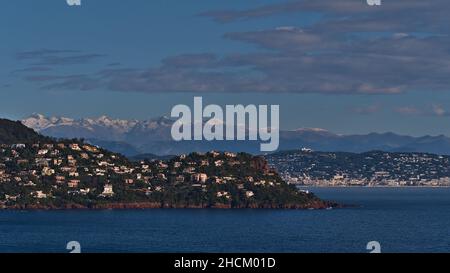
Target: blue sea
x,y
400,219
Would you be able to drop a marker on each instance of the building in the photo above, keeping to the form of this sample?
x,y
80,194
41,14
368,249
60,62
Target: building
x,y
73,183
199,177
39,195
108,190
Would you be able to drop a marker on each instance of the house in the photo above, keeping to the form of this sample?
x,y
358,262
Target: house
x,y
60,179
11,197
163,165
199,177
218,163
91,149
18,146
22,161
29,184
249,194
43,152
39,195
179,179
74,174
103,163
41,162
57,162
48,146
46,171
214,153
204,163
129,181
108,190
189,170
73,183
223,194
162,176
228,154
75,147
85,191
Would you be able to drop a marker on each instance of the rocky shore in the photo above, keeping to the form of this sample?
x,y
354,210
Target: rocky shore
x,y
316,204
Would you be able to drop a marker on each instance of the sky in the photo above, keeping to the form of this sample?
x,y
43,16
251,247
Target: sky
x,y
342,65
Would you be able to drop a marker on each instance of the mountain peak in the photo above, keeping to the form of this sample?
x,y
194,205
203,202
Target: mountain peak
x,y
37,116
316,130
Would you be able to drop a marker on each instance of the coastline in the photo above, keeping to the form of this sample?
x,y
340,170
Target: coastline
x,y
318,204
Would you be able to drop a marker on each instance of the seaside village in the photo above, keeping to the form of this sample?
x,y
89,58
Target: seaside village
x,y
323,169
82,169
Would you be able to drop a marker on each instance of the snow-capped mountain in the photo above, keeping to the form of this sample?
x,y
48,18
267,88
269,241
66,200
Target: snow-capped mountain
x,y
131,137
119,135
40,123
104,127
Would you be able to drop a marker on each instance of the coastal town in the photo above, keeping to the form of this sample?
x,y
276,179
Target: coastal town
x,y
309,168
71,173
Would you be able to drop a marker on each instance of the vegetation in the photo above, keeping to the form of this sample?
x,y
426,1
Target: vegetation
x,y
38,172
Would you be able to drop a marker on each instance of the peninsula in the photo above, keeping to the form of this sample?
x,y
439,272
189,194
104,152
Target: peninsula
x,y
38,172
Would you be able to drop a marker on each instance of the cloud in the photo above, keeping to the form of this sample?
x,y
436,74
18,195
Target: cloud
x,y
40,53
351,49
366,110
433,110
342,6
343,13
408,110
72,82
32,69
51,57
439,111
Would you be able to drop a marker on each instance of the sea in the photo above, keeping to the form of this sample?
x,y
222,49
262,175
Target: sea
x,y
398,219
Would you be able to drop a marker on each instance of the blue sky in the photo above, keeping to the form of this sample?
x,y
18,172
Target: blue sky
x,y
338,65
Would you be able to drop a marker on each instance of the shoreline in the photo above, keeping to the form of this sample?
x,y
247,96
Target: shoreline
x,y
314,205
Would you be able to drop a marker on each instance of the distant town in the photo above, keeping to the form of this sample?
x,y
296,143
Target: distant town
x,y
309,168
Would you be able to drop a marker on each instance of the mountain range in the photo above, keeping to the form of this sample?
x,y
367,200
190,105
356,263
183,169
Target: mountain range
x,y
133,137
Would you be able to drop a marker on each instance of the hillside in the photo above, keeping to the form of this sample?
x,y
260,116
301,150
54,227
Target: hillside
x,y
12,132
65,174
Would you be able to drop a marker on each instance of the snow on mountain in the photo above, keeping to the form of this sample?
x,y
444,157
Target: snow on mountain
x,y
154,136
40,123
